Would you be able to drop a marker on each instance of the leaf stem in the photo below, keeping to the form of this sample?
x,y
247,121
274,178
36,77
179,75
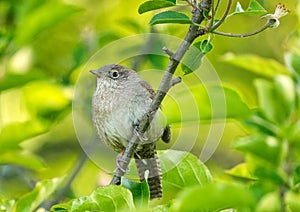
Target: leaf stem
x,y
213,13
223,17
243,35
217,6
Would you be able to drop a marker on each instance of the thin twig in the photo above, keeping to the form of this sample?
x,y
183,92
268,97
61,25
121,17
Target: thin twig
x,y
176,81
217,6
212,14
223,17
266,26
61,194
162,90
168,52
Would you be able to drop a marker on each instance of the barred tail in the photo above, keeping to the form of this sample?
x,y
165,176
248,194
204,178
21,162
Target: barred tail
x,y
147,161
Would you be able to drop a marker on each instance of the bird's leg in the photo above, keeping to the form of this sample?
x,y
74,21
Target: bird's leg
x,y
119,160
141,137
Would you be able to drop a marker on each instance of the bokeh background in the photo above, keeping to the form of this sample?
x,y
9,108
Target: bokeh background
x,y
44,46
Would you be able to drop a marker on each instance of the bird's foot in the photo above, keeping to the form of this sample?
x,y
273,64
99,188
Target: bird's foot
x,y
119,160
141,137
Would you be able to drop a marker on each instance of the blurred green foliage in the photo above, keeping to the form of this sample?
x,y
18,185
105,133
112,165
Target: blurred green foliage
x,y
45,44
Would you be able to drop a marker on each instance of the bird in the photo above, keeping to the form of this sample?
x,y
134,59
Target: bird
x,y
120,100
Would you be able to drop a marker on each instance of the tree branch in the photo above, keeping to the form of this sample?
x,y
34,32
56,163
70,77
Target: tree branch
x,y
164,87
223,17
266,26
61,194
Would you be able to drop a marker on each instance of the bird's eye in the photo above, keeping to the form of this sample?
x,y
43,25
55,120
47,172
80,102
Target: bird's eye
x,y
114,74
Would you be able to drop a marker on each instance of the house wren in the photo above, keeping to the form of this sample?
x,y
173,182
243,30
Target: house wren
x,y
120,100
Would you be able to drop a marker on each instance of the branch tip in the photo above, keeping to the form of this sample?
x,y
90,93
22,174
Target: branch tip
x,y
168,52
176,81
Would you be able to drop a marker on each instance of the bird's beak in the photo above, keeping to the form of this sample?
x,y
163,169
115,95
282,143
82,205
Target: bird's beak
x,y
97,73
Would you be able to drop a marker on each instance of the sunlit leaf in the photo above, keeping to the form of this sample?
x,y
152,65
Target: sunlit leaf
x,y
40,193
205,103
154,5
266,171
254,8
286,93
192,60
139,190
262,124
181,170
11,80
293,133
239,8
42,18
23,159
170,17
269,102
295,62
52,97
109,198
241,171
214,197
11,135
292,199
193,57
6,205
266,148
258,65
269,202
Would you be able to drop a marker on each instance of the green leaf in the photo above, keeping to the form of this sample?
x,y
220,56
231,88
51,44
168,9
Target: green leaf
x,y
269,174
40,193
193,58
266,148
203,103
241,171
296,176
42,18
23,159
11,80
54,98
269,202
12,134
293,200
260,123
269,102
6,205
254,8
154,5
239,8
286,93
293,60
139,190
170,17
109,198
181,170
293,134
205,46
214,197
257,65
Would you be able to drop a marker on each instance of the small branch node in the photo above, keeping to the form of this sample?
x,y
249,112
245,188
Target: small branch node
x,y
168,52
202,31
176,81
